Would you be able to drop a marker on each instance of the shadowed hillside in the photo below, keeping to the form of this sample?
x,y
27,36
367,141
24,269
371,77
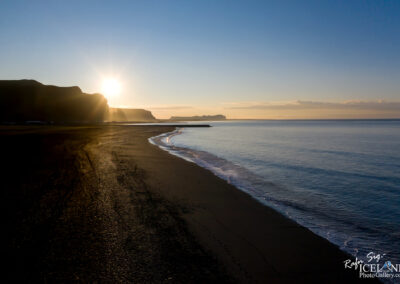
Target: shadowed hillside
x,y
29,100
125,114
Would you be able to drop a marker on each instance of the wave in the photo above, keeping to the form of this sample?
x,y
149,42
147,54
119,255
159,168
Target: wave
x,y
240,177
328,219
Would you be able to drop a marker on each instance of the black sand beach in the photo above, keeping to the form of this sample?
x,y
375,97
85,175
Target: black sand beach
x,y
100,203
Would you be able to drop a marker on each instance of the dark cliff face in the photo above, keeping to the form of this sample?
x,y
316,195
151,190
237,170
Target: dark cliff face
x,y
124,114
29,100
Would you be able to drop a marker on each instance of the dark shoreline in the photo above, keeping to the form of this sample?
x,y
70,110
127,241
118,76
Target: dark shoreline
x,y
102,204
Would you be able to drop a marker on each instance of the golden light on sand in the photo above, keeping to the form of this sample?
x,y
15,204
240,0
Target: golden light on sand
x,y
110,87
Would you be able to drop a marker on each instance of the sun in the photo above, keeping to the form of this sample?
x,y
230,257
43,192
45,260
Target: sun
x,y
110,87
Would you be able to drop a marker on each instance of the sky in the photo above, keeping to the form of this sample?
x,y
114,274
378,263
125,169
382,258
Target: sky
x,y
244,59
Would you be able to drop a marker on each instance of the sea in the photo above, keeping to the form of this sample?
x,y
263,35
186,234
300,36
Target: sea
x,y
338,178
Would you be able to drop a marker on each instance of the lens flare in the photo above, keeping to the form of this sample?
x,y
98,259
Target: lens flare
x,y
111,87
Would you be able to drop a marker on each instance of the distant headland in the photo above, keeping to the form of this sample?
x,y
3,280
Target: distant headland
x,y
198,118
31,102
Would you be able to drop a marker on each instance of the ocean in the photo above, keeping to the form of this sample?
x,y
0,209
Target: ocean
x,y
339,178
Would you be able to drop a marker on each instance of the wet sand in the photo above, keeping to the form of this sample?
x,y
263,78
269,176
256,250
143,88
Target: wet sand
x,y
102,204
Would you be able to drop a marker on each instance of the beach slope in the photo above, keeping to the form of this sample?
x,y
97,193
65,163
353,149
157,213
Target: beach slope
x,y
102,204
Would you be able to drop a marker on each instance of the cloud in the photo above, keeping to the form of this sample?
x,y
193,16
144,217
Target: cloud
x,y
171,107
380,105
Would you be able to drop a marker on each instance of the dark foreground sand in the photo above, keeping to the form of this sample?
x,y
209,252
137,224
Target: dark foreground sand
x,y
101,204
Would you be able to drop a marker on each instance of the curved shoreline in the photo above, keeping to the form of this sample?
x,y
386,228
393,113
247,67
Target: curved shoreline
x,y
255,199
239,183
127,211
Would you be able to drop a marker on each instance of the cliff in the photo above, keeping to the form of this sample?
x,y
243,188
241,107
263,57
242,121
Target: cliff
x,y
134,115
29,100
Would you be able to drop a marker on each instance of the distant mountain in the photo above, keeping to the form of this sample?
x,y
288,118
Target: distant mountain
x,y
126,114
29,100
198,118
